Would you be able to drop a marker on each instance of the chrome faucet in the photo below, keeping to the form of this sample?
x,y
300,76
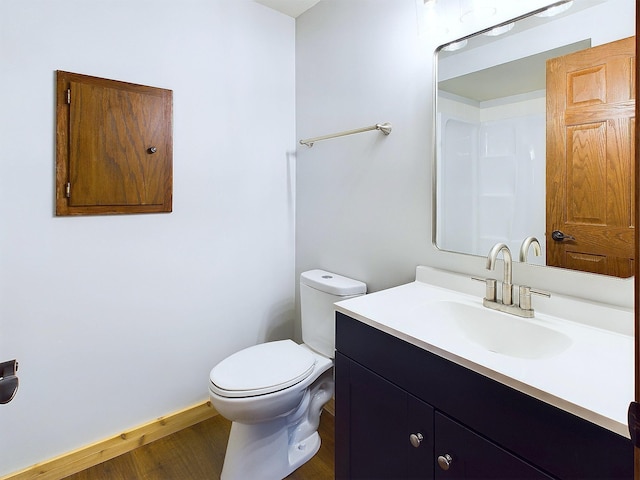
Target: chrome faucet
x,y
491,265
524,248
506,304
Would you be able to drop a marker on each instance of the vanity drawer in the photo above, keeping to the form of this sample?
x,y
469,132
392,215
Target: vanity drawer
x,y
556,441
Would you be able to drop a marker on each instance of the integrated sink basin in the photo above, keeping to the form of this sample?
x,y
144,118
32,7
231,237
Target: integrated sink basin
x,y
499,332
577,355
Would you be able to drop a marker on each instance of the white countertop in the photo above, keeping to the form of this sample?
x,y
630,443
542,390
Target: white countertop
x,y
593,378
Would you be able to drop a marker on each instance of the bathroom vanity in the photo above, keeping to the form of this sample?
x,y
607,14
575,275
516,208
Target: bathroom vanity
x,y
420,395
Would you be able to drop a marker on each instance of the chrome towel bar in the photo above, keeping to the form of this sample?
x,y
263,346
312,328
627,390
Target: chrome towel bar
x,y
383,127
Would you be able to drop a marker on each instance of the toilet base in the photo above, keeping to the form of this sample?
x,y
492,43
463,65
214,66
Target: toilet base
x,y
262,451
272,450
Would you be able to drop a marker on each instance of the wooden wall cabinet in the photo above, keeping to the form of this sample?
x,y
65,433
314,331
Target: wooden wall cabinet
x,y
114,148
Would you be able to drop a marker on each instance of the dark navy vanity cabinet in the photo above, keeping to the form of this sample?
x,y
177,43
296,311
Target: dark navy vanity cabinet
x,y
403,412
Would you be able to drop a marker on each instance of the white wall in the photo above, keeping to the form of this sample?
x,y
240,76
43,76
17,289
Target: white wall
x,y
364,202
118,320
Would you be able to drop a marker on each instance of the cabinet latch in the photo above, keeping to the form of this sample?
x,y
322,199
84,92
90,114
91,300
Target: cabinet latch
x,y
634,423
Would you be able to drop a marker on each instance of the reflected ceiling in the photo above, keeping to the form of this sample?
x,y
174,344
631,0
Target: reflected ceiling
x,y
513,78
293,8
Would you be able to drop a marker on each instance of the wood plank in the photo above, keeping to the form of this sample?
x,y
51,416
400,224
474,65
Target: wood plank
x,y
86,457
197,452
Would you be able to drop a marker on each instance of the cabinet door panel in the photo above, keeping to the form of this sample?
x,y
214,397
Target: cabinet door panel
x,y
111,131
378,443
473,457
373,425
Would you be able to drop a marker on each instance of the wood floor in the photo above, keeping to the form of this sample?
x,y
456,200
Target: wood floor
x,y
197,453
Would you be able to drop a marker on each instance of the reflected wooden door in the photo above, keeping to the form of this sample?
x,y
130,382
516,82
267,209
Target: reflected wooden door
x,y
590,159
633,428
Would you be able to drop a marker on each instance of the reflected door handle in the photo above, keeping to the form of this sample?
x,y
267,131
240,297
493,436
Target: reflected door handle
x,y
558,236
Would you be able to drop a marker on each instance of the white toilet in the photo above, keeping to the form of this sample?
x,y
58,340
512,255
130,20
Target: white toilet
x,y
274,392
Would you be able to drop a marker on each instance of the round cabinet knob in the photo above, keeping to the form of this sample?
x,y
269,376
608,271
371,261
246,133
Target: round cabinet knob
x,y
445,461
416,439
152,149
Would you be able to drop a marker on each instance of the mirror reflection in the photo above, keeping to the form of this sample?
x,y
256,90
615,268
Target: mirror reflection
x,y
534,128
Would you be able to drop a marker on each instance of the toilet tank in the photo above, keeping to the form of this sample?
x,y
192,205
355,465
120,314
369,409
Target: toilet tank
x,y
319,290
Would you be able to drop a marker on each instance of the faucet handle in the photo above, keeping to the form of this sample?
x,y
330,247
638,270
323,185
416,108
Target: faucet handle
x,y
525,296
542,293
490,293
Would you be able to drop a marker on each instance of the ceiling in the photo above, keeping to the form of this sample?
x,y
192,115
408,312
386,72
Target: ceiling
x,y
293,8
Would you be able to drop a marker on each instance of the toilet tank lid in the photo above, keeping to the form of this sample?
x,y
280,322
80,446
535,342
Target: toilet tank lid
x,y
332,283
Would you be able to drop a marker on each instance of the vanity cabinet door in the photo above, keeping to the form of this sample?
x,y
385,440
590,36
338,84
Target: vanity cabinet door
x,y
382,432
462,454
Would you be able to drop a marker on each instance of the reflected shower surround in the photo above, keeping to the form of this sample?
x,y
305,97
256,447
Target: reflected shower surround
x,y
491,183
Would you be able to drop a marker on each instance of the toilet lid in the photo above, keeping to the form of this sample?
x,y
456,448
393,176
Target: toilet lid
x,y
262,369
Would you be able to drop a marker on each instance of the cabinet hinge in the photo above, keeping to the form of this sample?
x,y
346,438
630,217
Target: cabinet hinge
x,y
69,96
67,190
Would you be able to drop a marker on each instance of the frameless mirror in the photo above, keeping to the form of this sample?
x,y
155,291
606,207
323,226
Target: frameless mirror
x,y
534,138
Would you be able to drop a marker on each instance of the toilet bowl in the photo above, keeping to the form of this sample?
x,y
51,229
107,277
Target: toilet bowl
x,y
274,392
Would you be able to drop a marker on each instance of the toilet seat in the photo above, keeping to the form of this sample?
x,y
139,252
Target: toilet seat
x,y
262,369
